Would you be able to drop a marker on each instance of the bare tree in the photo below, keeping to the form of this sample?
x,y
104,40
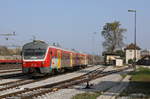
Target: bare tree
x,y
113,36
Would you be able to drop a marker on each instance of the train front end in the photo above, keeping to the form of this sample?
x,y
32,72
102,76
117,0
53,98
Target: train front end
x,y
35,58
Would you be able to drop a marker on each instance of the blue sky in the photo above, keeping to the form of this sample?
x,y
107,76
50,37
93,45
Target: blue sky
x,y
72,23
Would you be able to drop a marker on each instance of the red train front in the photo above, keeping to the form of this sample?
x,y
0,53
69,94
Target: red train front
x,y
35,57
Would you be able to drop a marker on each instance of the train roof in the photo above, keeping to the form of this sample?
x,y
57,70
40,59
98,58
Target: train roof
x,y
36,44
66,50
44,45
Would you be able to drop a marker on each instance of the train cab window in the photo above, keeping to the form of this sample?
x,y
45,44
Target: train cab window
x,y
34,53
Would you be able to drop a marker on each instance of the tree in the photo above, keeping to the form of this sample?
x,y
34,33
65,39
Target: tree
x,y
121,53
4,50
113,36
130,61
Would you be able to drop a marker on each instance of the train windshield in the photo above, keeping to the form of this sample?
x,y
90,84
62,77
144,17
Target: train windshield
x,y
34,53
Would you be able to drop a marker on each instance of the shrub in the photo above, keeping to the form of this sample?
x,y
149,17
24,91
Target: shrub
x,y
130,61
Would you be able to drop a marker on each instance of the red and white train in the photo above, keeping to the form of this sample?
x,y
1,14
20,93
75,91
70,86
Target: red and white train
x,y
15,59
39,57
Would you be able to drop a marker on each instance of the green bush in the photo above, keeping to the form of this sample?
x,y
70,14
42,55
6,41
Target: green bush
x,y
130,61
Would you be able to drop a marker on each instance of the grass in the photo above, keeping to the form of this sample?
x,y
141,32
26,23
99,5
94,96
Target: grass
x,y
87,95
141,75
139,84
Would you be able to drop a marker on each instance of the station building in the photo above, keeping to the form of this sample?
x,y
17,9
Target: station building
x,y
129,52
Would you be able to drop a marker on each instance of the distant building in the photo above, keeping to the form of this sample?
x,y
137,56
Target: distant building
x,y
119,62
129,52
145,53
110,58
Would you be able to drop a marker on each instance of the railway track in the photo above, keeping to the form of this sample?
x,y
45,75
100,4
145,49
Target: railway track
x,y
23,81
15,84
10,66
41,90
8,71
12,73
11,76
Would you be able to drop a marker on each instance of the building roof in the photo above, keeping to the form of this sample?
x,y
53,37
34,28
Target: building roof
x,y
132,47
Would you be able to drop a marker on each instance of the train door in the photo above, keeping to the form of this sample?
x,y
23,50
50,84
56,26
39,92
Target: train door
x,y
59,59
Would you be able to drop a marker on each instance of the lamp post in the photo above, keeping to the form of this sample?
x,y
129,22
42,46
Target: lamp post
x,y
93,40
134,11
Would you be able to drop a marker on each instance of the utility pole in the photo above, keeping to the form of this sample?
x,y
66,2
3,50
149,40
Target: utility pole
x,y
93,45
134,11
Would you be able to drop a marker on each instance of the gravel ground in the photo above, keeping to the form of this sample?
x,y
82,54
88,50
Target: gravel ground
x,y
114,91
97,86
100,84
51,80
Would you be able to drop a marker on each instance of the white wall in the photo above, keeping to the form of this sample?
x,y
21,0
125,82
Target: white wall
x,y
130,55
119,62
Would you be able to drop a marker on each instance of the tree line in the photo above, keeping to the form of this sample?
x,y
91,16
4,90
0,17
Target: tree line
x,y
5,51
